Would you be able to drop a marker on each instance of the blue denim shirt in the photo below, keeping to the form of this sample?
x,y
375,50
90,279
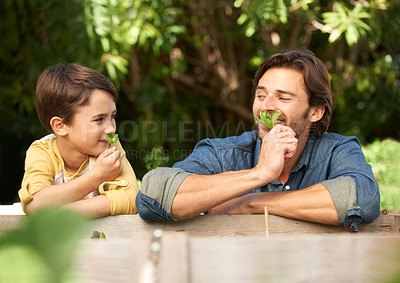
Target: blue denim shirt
x,y
324,158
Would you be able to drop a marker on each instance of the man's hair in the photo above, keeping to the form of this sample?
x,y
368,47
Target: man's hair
x,y
62,89
316,79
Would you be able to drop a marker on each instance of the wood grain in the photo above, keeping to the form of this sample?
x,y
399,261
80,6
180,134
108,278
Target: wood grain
x,y
126,226
233,248
301,258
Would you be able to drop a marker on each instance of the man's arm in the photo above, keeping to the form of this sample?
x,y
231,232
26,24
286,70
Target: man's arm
x,y
311,204
199,193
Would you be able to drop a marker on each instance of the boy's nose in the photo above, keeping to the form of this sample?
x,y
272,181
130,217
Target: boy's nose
x,y
110,129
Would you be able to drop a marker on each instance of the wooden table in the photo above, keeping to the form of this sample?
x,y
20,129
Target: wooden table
x,y
235,248
311,258
235,226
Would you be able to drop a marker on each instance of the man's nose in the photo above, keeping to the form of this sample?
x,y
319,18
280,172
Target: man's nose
x,y
269,103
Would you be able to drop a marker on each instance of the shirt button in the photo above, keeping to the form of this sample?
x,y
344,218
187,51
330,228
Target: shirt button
x,y
287,188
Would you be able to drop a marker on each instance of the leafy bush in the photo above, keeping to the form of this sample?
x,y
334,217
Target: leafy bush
x,y
155,158
384,157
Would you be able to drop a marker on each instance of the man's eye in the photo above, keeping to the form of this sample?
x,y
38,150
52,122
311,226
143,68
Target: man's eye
x,y
99,119
113,117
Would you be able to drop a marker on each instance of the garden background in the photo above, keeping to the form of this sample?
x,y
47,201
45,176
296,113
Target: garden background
x,y
184,71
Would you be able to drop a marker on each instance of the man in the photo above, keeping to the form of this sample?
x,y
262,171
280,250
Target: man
x,y
296,168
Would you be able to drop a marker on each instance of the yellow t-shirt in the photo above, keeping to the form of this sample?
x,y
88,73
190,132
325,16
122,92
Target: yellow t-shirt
x,y
44,166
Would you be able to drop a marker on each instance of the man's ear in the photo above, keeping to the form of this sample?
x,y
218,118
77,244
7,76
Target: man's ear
x,y
316,113
58,126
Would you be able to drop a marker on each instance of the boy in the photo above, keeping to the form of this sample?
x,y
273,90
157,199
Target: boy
x,y
74,167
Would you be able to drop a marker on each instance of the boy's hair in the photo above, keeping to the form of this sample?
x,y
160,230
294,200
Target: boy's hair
x,y
63,88
316,80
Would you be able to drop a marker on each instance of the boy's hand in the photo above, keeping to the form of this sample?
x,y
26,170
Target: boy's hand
x,y
108,165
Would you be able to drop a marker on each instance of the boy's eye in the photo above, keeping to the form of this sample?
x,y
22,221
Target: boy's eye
x,y
113,117
98,120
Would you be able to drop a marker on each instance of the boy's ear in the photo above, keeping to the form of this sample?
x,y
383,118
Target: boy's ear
x,y
316,113
58,126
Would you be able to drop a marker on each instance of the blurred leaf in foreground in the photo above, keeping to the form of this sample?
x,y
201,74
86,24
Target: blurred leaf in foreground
x,y
42,248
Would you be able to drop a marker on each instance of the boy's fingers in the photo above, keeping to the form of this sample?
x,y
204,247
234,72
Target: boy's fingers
x,y
113,156
108,152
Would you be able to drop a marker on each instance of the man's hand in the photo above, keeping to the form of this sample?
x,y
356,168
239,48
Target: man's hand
x,y
108,165
277,146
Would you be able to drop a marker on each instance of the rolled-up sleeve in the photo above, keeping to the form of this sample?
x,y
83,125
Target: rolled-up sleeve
x,y
352,185
158,190
39,173
122,191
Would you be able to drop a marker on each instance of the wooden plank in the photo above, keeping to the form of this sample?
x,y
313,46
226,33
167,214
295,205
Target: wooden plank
x,y
173,266
103,261
200,226
234,226
129,260
311,258
305,258
224,248
125,226
10,222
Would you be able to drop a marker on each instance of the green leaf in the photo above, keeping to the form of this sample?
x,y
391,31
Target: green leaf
x,y
98,235
268,120
112,139
48,239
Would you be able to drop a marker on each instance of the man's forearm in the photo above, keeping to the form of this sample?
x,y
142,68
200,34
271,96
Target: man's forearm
x,y
199,193
311,204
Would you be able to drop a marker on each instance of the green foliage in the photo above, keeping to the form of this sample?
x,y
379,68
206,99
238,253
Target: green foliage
x,y
346,21
98,235
268,119
176,61
384,157
42,249
118,25
155,158
112,139
260,11
393,277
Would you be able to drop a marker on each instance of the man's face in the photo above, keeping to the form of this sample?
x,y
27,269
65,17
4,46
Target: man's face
x,y
283,89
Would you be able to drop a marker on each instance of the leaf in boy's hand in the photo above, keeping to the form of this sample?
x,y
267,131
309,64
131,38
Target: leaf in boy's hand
x,y
112,139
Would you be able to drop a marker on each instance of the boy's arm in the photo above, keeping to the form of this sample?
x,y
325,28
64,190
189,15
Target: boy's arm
x,y
121,192
98,206
107,167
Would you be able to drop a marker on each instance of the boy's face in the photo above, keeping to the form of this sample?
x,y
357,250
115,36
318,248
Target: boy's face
x,y
92,123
